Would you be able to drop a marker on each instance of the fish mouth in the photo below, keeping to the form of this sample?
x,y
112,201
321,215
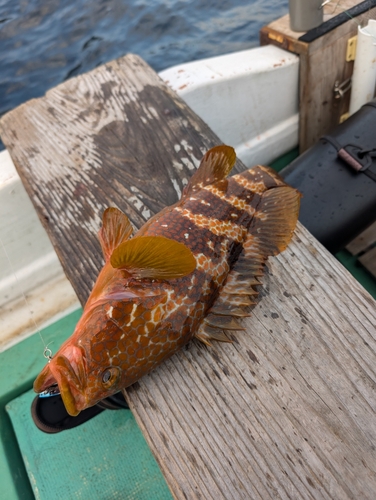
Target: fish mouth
x,y
70,379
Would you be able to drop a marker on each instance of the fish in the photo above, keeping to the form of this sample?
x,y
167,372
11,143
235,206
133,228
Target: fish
x,y
194,270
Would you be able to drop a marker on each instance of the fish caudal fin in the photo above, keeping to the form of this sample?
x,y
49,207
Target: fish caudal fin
x,y
115,230
154,257
216,164
269,234
275,219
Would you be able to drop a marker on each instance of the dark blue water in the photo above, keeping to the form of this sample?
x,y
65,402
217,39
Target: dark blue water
x,y
44,42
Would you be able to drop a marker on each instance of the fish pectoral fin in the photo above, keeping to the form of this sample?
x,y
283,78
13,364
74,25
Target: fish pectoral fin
x,y
216,164
116,229
154,257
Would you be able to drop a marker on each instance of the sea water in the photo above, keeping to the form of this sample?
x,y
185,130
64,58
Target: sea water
x,y
45,42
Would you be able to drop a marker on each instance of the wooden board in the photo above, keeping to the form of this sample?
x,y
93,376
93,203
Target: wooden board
x,y
364,241
322,64
288,409
369,261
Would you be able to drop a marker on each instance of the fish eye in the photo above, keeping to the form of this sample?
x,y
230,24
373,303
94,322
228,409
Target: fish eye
x,y
110,376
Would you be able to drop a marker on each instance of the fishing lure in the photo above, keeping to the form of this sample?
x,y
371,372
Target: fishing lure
x,y
193,270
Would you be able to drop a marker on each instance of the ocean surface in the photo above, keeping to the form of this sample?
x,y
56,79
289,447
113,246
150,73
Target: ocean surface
x,y
44,42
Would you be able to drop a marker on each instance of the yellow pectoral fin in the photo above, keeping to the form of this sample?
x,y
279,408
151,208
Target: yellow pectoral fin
x,y
154,257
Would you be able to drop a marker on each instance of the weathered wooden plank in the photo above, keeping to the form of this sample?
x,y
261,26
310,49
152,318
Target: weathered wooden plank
x,y
363,241
369,261
288,409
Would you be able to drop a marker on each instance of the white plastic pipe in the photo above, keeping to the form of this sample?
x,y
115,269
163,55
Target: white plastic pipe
x,y
364,75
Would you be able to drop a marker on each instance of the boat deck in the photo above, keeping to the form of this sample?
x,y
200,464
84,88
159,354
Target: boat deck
x,y
287,409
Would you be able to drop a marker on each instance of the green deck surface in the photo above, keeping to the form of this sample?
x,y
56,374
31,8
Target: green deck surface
x,y
105,458
359,272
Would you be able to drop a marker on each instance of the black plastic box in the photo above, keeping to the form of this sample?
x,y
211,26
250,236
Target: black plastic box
x,y
337,177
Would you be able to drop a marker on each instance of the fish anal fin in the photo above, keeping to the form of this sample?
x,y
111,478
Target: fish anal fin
x,y
238,300
223,322
206,333
215,327
239,293
222,309
216,164
154,257
116,228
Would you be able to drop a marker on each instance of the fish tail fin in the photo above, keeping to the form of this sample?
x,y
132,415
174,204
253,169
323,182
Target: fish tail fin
x,y
275,219
216,164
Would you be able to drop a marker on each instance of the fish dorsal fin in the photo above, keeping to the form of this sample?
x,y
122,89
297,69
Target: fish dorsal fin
x,y
216,164
116,229
154,257
269,234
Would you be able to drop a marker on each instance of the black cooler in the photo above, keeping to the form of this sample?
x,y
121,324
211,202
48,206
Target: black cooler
x,y
337,177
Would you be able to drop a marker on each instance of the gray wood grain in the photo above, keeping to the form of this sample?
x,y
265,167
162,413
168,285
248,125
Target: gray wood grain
x,y
364,241
285,411
369,261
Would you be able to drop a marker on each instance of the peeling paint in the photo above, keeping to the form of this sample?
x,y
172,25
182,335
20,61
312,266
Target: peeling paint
x,y
177,187
177,165
188,163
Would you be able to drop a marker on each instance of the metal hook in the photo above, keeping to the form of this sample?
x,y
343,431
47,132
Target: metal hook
x,y
47,353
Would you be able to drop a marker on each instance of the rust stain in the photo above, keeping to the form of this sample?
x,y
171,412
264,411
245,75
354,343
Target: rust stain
x,y
276,37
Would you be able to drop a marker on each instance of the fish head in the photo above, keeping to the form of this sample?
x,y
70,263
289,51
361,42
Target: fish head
x,y
114,344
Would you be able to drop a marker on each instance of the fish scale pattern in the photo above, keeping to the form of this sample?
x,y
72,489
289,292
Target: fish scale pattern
x,y
212,224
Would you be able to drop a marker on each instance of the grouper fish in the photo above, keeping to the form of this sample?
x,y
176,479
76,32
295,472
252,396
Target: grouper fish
x,y
193,270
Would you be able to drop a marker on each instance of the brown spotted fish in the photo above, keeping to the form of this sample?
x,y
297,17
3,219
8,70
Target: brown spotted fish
x,y
191,271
